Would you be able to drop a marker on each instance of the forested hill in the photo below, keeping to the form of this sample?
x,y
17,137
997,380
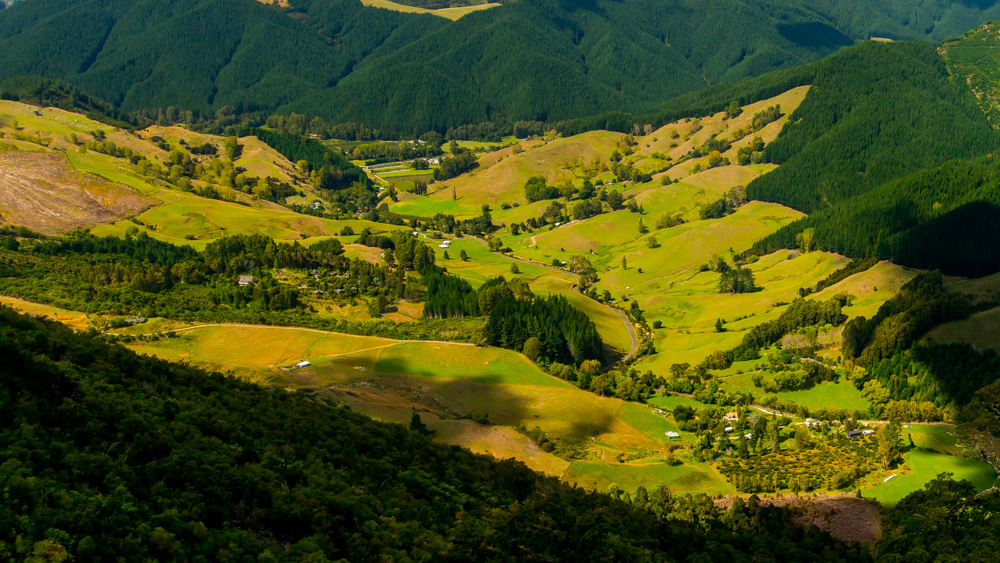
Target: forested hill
x,y
109,455
530,59
867,155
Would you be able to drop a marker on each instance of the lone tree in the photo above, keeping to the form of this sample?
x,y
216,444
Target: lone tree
x,y
464,256
418,425
718,326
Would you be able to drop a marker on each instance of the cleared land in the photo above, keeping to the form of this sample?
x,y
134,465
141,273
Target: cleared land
x,y
449,13
44,193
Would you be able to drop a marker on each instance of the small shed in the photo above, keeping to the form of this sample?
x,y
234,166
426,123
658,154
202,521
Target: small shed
x,y
302,364
855,433
135,320
672,435
247,280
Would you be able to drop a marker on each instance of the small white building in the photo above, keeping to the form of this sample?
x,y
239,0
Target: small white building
x,y
302,364
672,435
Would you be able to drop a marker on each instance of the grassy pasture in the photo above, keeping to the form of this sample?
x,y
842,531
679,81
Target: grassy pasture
x,y
841,395
196,221
449,13
74,319
501,175
387,378
870,288
921,466
483,264
981,331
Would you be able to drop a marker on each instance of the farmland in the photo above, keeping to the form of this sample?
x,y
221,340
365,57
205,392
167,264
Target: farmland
x,y
445,382
493,400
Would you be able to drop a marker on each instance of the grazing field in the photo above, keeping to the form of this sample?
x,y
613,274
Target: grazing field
x,y
839,395
501,175
196,221
449,13
921,466
445,382
74,319
981,331
483,264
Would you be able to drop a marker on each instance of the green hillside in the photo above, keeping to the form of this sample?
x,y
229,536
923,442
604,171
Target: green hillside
x,y
545,60
866,155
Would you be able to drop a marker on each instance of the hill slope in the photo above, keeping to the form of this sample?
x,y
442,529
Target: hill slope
x,y
162,461
866,155
531,59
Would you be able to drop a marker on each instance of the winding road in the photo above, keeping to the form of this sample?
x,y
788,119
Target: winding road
x,y
628,325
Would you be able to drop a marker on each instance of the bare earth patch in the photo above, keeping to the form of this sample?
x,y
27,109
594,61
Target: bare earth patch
x,y
42,192
847,518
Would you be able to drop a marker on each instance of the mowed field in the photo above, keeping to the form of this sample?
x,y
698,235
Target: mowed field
x,y
445,382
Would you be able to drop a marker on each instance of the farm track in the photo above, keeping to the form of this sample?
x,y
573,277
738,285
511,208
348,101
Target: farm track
x,y
576,287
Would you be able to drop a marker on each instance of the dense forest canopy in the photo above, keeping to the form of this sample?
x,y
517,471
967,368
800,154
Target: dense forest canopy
x,y
410,73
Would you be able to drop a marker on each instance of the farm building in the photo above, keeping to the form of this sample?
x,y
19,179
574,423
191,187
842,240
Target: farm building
x,y
731,417
247,280
302,364
672,435
854,433
135,320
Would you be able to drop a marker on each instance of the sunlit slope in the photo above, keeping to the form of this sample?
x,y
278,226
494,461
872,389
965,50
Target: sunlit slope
x,y
445,382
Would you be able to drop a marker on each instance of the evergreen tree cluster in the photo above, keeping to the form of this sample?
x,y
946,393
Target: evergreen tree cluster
x,y
448,296
564,333
920,304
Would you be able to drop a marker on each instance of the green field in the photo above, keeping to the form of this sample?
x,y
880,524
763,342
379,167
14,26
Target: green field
x,y
840,395
923,466
387,378
981,331
196,221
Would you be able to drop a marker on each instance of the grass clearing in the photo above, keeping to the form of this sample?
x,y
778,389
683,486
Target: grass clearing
x,y
981,331
921,466
449,13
